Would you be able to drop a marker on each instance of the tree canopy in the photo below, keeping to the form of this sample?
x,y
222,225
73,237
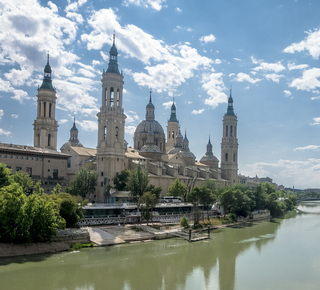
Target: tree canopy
x,y
84,183
177,188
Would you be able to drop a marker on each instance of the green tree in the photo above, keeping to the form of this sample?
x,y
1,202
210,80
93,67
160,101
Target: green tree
x,y
43,217
69,207
56,190
207,198
24,180
38,190
184,222
137,184
177,188
84,183
148,202
194,197
13,226
5,175
121,179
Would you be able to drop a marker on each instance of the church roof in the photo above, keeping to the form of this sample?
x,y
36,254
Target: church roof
x,y
150,148
144,127
84,151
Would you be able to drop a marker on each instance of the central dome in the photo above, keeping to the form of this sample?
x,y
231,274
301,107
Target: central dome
x,y
145,126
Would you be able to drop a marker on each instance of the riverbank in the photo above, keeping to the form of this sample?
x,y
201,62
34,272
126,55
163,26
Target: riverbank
x,y
107,236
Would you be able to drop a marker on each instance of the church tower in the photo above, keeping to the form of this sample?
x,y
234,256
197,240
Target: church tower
x,y
45,126
111,120
172,128
229,145
74,139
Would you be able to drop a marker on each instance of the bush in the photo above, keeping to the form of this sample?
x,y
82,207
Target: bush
x,y
184,222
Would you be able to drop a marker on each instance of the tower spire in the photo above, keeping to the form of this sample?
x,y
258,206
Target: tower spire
x,y
113,62
150,101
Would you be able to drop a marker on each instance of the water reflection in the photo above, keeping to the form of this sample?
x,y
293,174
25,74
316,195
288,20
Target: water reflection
x,y
166,264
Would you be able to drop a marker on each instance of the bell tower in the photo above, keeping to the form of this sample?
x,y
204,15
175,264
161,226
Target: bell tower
x,y
45,126
111,121
172,128
229,145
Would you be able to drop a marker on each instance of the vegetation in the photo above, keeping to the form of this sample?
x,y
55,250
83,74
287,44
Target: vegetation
x,y
184,222
137,184
78,246
33,217
177,188
240,200
84,183
121,179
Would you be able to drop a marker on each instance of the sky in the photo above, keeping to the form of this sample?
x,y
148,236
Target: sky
x,y
194,51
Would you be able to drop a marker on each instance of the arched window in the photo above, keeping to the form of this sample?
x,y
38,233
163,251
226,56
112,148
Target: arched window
x,y
39,139
226,156
139,145
118,98
169,134
231,131
111,97
161,146
44,108
49,139
172,134
226,131
106,96
117,133
50,105
234,157
105,133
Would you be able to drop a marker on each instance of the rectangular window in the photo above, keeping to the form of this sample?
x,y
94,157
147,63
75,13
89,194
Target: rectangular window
x,y
21,157
15,157
10,156
101,184
55,173
29,171
31,158
18,168
69,162
101,174
5,156
36,159
27,158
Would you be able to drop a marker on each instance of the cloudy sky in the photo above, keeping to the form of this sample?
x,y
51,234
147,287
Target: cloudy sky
x,y
267,51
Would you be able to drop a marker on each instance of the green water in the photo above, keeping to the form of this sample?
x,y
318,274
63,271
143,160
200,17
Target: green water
x,y
281,254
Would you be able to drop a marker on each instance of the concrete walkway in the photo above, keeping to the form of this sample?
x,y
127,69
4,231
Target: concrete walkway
x,y
103,238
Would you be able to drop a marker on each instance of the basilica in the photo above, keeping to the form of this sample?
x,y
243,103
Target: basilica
x,y
165,156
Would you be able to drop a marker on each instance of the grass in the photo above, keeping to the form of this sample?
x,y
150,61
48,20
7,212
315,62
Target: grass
x,y
78,246
135,228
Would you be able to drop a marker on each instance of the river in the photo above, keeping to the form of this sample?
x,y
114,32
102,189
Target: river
x,y
280,254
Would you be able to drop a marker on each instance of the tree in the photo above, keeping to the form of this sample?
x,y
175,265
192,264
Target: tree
x,y
5,175
24,180
56,190
194,197
121,179
148,202
84,183
69,208
137,184
207,198
177,188
38,190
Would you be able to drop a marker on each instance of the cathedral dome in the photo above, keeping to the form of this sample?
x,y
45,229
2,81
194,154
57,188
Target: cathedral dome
x,y
209,158
186,154
174,150
150,148
145,126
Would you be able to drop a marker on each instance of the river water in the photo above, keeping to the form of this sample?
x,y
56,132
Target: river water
x,y
280,254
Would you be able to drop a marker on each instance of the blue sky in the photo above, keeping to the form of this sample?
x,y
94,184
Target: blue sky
x,y
268,51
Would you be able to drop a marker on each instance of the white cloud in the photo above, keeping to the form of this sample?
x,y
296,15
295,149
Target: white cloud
x,y
273,77
213,84
18,95
4,132
1,114
311,44
178,10
167,105
197,112
18,77
76,16
95,62
88,125
63,121
293,66
275,67
315,98
309,80
237,59
74,6
316,121
14,116
241,77
287,94
132,117
53,6
208,38
130,130
301,174
153,4
309,147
